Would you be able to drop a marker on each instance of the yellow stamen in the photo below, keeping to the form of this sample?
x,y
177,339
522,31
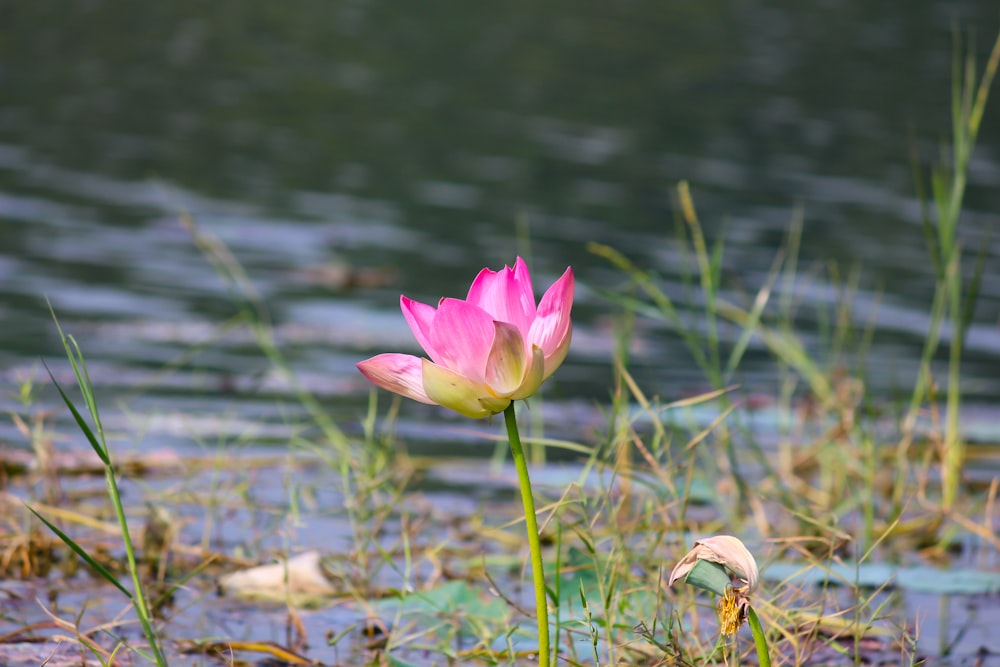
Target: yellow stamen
x,y
732,612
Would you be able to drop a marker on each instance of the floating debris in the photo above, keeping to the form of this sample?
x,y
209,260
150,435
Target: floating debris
x,y
300,580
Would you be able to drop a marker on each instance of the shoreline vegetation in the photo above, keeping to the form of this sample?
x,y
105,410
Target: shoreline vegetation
x,y
849,520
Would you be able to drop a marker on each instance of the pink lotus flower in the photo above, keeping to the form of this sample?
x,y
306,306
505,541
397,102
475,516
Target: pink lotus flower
x,y
494,347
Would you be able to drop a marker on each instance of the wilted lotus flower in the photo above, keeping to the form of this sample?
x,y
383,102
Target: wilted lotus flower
x,y
723,565
725,550
494,347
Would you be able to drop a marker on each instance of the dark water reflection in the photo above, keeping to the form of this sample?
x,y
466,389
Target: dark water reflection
x,y
414,137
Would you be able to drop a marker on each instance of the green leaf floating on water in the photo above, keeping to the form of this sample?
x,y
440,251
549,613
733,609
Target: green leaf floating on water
x,y
399,662
457,607
451,597
919,579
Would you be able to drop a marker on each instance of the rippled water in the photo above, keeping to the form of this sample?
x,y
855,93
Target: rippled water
x,y
432,142
409,145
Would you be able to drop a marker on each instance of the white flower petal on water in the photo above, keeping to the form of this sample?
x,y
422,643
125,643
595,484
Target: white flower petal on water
x,y
301,576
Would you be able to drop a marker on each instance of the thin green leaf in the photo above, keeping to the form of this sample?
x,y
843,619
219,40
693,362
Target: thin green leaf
x,y
86,386
82,553
976,115
956,88
188,576
940,187
759,640
70,354
667,310
933,249
972,294
717,254
91,438
750,324
786,347
968,92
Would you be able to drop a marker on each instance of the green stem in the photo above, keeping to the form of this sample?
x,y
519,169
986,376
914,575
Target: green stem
x,y
763,657
534,544
141,607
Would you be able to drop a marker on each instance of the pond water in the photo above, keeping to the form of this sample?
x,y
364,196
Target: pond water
x,y
415,140
410,145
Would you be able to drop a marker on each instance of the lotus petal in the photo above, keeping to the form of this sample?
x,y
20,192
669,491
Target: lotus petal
x,y
533,377
399,373
420,317
459,393
507,362
462,335
507,295
552,328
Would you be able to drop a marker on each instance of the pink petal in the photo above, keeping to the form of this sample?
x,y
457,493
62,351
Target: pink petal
x,y
399,373
507,362
462,335
534,375
457,392
558,356
420,317
506,295
552,328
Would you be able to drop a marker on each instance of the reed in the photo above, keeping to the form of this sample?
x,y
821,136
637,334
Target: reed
x,y
94,434
955,295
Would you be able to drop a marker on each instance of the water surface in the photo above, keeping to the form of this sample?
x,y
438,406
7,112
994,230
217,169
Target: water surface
x,y
415,144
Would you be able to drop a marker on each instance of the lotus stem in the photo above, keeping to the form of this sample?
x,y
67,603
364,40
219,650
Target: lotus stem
x,y
534,544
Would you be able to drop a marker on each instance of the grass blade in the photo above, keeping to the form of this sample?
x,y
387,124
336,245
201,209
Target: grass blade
x,y
81,552
84,427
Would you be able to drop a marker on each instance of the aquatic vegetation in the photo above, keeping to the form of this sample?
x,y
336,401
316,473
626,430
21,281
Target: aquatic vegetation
x,y
859,503
724,550
712,564
495,347
954,295
95,437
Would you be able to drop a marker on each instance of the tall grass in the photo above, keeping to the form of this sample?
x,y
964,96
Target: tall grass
x,y
94,433
771,321
370,472
651,481
954,295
